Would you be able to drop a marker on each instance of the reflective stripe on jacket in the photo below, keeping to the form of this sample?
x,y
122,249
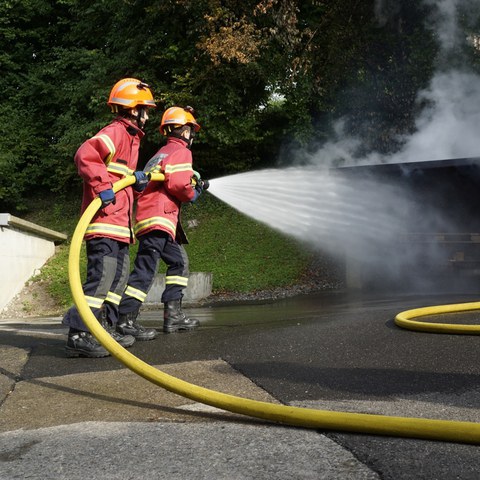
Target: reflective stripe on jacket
x,y
159,206
101,161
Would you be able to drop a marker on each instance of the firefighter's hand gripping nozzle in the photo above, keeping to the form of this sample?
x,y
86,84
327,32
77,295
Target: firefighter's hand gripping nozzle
x,y
197,180
198,185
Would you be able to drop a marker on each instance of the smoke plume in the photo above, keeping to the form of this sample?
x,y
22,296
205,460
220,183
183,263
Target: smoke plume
x,y
447,127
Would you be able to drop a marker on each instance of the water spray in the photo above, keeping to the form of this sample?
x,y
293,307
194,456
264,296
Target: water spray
x,y
341,213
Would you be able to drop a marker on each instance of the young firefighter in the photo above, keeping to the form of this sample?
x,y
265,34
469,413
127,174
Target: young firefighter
x,y
101,161
159,230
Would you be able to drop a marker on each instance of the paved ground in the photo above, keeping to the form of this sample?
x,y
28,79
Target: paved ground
x,y
92,418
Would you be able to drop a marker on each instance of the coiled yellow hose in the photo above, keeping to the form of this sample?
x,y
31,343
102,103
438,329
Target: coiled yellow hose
x,y
465,432
404,319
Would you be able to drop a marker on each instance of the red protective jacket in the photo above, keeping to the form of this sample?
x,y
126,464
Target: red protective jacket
x,y
101,161
159,206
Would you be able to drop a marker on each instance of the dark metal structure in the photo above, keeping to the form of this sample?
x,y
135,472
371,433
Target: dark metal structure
x,y
452,187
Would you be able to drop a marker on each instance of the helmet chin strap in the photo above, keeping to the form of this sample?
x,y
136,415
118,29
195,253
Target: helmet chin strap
x,y
139,118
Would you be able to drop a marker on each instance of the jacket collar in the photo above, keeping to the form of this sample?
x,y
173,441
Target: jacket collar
x,y
178,141
130,127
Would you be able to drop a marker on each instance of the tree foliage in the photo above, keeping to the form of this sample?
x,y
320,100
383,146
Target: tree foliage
x,y
260,73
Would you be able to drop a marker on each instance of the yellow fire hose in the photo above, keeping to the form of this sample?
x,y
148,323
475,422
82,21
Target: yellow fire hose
x,y
465,432
404,319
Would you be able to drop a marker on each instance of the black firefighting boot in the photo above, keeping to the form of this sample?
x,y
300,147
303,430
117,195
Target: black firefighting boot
x,y
175,320
124,340
84,344
128,325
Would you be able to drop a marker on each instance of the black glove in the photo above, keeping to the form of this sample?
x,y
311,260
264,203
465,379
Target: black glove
x,y
107,197
141,182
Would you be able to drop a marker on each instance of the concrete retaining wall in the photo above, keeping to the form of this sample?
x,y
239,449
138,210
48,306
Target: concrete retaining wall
x,y
24,248
199,287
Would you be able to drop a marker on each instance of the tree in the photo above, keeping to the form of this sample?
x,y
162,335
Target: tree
x,y
261,74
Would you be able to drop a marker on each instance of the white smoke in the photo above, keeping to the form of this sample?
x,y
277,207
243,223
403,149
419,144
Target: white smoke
x,y
444,21
447,127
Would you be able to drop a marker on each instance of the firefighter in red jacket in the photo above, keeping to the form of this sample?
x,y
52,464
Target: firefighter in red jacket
x,y
101,161
158,225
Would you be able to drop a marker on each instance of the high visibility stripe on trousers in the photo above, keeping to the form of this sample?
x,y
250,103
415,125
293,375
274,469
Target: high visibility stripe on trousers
x,y
176,280
112,297
169,280
94,302
136,293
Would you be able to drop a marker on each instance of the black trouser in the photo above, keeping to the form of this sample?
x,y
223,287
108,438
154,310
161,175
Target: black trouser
x,y
155,246
108,264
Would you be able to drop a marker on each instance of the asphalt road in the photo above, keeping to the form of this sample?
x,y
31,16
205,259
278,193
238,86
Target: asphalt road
x,y
330,351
